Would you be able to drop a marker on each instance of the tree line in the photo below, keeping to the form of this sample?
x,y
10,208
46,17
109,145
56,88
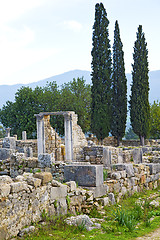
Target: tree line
x,y
72,96
101,107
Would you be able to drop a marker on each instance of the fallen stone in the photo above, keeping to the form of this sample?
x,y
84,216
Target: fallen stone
x,y
18,186
26,231
56,183
44,176
5,179
35,182
4,190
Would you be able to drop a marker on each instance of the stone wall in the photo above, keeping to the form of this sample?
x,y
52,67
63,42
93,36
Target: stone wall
x,y
52,140
30,143
24,199
130,178
78,138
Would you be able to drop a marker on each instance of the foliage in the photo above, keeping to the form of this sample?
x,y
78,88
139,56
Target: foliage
x,y
155,120
139,103
101,75
130,134
74,96
119,88
105,174
125,218
2,132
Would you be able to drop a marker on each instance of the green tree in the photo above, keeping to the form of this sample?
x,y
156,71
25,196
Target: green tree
x,y
155,120
2,132
76,96
101,75
119,88
130,134
139,103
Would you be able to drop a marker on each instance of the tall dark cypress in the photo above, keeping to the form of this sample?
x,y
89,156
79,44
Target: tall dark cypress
x,y
101,75
139,103
119,88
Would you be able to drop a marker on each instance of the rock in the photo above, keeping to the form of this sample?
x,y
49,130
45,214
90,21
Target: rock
x,y
111,198
18,186
4,190
44,176
116,175
26,230
20,178
154,203
5,179
58,192
56,183
72,186
84,221
36,182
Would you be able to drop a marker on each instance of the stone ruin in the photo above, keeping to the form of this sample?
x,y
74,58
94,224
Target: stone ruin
x,y
33,172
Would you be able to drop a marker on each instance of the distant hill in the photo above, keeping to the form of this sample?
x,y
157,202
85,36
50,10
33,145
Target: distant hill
x,y
7,92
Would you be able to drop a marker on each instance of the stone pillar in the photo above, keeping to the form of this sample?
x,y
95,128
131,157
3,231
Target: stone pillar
x,y
107,157
40,134
24,136
68,138
8,132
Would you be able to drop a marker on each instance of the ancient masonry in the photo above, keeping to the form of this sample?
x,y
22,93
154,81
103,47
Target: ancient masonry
x,y
42,174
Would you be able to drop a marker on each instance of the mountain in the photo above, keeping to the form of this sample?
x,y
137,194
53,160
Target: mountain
x,y
7,92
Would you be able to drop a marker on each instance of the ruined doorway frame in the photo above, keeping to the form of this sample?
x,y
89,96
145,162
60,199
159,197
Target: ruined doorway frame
x,y
67,129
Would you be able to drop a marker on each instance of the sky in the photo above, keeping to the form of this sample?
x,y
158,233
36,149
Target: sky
x,y
44,38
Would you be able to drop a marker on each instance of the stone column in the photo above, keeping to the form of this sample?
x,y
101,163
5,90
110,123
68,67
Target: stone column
x,y
24,136
68,138
40,134
8,132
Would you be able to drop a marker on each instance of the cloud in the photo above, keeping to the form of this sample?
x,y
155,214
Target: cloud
x,y
73,25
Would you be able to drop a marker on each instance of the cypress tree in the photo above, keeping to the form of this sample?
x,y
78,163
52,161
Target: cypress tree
x,y
119,88
139,103
101,75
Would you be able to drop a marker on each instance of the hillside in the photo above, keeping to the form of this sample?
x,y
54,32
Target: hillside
x,y
7,92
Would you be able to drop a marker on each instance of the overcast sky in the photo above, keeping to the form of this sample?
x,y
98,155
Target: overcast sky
x,y
43,38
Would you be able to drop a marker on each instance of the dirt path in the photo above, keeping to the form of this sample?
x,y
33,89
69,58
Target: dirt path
x,y
151,236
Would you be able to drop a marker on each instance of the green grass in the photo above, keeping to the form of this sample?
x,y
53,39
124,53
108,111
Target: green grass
x,y
125,220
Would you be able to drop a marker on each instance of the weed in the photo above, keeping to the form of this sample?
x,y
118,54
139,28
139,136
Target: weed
x,y
125,218
44,215
55,204
105,174
68,201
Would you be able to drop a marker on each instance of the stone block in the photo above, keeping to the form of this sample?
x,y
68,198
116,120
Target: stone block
x,y
4,190
107,157
5,153
35,182
154,168
9,142
137,155
18,186
58,192
45,160
126,166
99,191
84,175
44,176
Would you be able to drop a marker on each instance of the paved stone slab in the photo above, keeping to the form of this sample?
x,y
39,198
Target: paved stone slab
x,y
87,175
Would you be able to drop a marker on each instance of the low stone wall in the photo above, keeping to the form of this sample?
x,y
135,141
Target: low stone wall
x,y
112,155
30,143
24,199
130,178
